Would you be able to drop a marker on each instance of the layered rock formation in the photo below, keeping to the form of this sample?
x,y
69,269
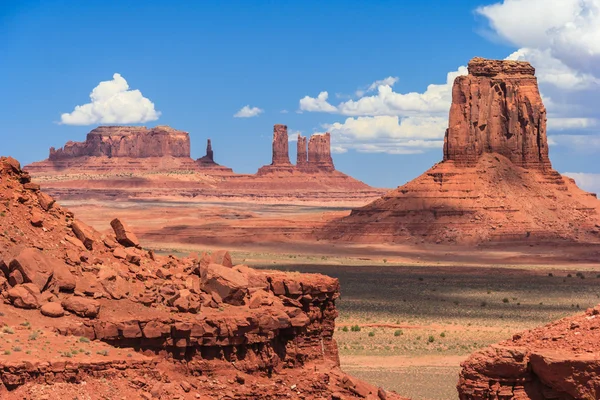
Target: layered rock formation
x,y
127,141
558,361
155,326
497,108
121,149
495,183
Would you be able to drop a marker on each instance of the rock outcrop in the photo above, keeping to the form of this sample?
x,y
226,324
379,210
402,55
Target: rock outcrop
x,y
127,141
495,183
497,108
558,361
210,328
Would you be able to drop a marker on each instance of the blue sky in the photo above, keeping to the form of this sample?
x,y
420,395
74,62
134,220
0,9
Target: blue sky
x,y
199,63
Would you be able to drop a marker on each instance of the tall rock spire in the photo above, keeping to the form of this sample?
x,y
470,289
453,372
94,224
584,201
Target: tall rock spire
x,y
301,157
281,154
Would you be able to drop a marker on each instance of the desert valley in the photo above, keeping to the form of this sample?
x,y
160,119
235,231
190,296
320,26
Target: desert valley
x,y
132,270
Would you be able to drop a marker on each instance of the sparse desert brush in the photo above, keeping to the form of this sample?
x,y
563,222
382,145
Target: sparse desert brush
x,y
7,329
345,329
355,328
431,339
34,335
398,332
505,300
102,353
443,334
371,334
83,339
17,348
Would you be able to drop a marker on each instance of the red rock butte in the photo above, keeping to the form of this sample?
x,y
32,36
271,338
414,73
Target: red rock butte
x,y
495,183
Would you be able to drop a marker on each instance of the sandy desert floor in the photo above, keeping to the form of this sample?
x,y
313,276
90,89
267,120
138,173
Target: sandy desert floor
x,y
408,314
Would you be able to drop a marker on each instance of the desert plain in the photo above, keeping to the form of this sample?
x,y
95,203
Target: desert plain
x,y
409,313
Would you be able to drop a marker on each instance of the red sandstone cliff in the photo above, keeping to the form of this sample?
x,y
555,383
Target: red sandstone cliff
x,y
127,141
495,183
497,108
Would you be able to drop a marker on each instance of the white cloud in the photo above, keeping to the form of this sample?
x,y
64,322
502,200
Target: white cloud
x,y
387,134
389,81
581,144
284,111
318,104
553,71
586,181
561,124
568,29
436,99
248,112
113,103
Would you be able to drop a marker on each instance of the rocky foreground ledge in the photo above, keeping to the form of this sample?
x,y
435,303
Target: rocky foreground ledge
x,y
94,314
558,361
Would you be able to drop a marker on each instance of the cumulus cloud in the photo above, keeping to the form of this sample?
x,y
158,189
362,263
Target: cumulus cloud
x,y
389,81
112,103
248,112
562,41
389,121
388,134
436,99
586,181
568,30
318,104
553,71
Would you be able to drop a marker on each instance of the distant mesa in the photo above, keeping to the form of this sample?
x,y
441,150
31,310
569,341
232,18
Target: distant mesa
x,y
127,141
312,158
496,182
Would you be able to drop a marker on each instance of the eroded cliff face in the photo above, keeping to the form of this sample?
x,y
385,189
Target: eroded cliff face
x,y
127,141
497,108
496,182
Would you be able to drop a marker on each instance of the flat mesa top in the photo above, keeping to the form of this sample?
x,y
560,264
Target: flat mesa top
x,y
119,130
483,67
